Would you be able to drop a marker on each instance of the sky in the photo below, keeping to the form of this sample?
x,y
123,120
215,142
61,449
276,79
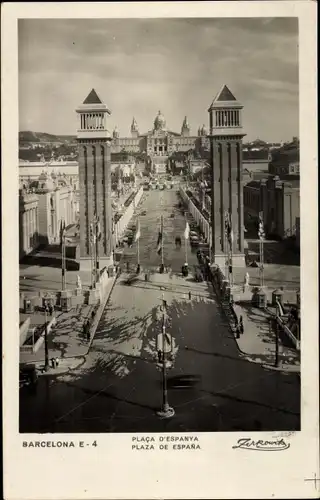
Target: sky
x,y
140,66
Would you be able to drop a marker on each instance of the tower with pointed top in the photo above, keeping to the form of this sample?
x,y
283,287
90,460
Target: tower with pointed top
x,y
134,128
225,135
94,180
185,129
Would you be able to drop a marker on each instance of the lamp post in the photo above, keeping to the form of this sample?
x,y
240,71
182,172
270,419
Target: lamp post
x,y
96,225
261,235
210,240
226,253
93,256
166,410
46,349
276,361
63,258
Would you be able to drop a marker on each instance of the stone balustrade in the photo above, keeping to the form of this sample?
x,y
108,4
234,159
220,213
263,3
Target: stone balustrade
x,y
122,223
196,213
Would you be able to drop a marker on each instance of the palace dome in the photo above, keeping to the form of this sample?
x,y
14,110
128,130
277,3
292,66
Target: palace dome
x,y
159,122
45,182
204,130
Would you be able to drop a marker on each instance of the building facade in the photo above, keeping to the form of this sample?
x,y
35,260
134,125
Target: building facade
x,y
45,206
67,170
28,222
94,146
278,200
285,161
226,134
159,141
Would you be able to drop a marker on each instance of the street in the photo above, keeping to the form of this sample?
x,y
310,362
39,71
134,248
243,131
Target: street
x,y
157,203
211,385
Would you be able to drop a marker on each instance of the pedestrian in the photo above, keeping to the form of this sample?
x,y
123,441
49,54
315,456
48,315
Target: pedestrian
x,y
159,356
88,331
92,314
237,329
241,329
189,295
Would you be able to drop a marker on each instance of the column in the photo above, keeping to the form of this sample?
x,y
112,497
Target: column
x,y
226,181
215,196
32,227
24,232
234,193
240,198
37,225
28,229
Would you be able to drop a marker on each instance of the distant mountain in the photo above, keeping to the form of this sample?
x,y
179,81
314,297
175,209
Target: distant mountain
x,y
28,136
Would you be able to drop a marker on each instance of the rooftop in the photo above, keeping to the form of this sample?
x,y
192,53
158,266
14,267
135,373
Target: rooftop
x,y
92,98
225,95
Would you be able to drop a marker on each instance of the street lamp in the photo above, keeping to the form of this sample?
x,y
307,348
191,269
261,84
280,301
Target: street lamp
x,y
166,410
46,349
261,235
93,255
97,232
63,257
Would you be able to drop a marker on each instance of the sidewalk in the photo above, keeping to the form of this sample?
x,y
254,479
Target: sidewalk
x,y
66,338
258,341
67,341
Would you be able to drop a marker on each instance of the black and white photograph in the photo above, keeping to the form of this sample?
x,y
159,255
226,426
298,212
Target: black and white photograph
x,y
160,295
159,216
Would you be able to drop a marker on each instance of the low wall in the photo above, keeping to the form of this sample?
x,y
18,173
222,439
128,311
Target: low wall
x,y
289,333
225,295
127,215
34,348
196,213
24,331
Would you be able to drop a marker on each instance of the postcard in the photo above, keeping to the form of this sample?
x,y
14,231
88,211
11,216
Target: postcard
x,y
160,295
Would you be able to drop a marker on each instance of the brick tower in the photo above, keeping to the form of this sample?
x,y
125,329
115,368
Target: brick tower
x,y
95,183
226,134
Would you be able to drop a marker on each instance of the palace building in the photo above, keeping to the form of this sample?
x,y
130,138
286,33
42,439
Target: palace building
x,y
160,141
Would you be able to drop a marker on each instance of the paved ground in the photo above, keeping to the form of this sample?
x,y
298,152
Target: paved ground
x,y
259,341
157,203
212,386
42,269
67,339
281,268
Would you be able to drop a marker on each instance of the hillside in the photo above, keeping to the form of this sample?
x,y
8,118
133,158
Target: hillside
x,y
28,136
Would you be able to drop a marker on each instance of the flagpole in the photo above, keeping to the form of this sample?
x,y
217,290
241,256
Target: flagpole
x,y
231,250
186,249
96,222
138,245
162,240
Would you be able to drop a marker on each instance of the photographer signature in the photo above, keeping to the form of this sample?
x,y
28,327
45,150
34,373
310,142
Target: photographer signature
x,y
262,445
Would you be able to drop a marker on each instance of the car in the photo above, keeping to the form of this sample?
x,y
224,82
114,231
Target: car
x,y
28,374
144,212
